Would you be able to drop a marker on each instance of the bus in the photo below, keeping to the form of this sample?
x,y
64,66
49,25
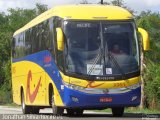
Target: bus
x,y
76,58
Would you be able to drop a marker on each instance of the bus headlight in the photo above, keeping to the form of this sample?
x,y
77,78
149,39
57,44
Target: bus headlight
x,y
75,87
85,90
102,90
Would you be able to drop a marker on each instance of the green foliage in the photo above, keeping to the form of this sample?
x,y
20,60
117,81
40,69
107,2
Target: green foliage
x,y
5,66
151,22
40,8
4,53
19,17
84,2
5,89
8,25
119,3
152,85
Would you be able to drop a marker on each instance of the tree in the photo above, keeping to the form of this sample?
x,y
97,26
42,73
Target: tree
x,y
19,17
3,22
40,8
119,3
8,25
105,3
84,2
151,22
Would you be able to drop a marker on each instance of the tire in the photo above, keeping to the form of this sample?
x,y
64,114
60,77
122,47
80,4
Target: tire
x,y
70,112
117,111
35,110
56,110
74,112
25,109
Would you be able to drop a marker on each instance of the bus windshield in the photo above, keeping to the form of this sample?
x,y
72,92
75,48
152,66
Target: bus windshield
x,y
101,48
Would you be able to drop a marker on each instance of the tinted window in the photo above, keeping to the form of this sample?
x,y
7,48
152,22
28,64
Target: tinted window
x,y
38,38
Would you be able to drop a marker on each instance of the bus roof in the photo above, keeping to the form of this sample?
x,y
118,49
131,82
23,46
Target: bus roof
x,y
83,12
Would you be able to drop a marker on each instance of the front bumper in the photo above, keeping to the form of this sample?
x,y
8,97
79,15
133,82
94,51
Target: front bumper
x,y
73,98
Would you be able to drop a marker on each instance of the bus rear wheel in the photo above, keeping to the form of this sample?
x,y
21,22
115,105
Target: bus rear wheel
x,y
74,112
28,109
25,109
118,111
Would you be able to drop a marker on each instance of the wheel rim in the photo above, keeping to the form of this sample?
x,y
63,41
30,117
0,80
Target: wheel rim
x,y
23,103
56,110
53,104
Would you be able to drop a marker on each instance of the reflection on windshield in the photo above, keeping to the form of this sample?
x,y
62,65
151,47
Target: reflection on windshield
x,y
90,43
121,45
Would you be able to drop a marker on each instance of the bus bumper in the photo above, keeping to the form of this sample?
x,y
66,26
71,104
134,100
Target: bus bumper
x,y
73,98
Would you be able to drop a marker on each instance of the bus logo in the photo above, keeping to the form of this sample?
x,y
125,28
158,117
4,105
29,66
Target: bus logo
x,y
91,85
47,59
32,95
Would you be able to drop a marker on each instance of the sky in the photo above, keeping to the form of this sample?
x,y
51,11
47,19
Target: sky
x,y
136,5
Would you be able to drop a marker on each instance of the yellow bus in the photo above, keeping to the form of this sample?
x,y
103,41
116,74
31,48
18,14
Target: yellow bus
x,y
78,57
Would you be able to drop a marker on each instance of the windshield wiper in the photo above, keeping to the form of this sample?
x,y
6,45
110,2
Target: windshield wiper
x,y
116,64
100,54
95,61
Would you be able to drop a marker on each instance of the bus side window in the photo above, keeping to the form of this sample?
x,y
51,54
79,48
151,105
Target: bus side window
x,y
13,47
36,38
51,38
19,46
33,39
45,35
16,47
28,42
59,54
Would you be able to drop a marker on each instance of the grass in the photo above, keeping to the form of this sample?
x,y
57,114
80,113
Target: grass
x,y
127,110
135,110
10,105
145,110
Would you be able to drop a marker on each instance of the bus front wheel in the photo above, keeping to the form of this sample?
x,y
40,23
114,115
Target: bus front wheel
x,y
74,112
35,110
28,109
56,110
118,111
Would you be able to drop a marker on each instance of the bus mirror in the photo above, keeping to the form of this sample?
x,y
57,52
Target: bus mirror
x,y
145,38
60,39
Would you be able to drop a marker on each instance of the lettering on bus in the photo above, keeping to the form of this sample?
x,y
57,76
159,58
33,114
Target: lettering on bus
x,y
32,95
105,99
119,85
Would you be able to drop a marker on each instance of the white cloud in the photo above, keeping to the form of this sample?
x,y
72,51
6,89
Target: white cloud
x,y
152,3
52,3
141,5
5,4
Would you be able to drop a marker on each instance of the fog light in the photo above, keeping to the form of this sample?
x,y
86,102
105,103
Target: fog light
x,y
134,98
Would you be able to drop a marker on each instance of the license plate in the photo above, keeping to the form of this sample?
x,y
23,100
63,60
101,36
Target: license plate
x,y
105,99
